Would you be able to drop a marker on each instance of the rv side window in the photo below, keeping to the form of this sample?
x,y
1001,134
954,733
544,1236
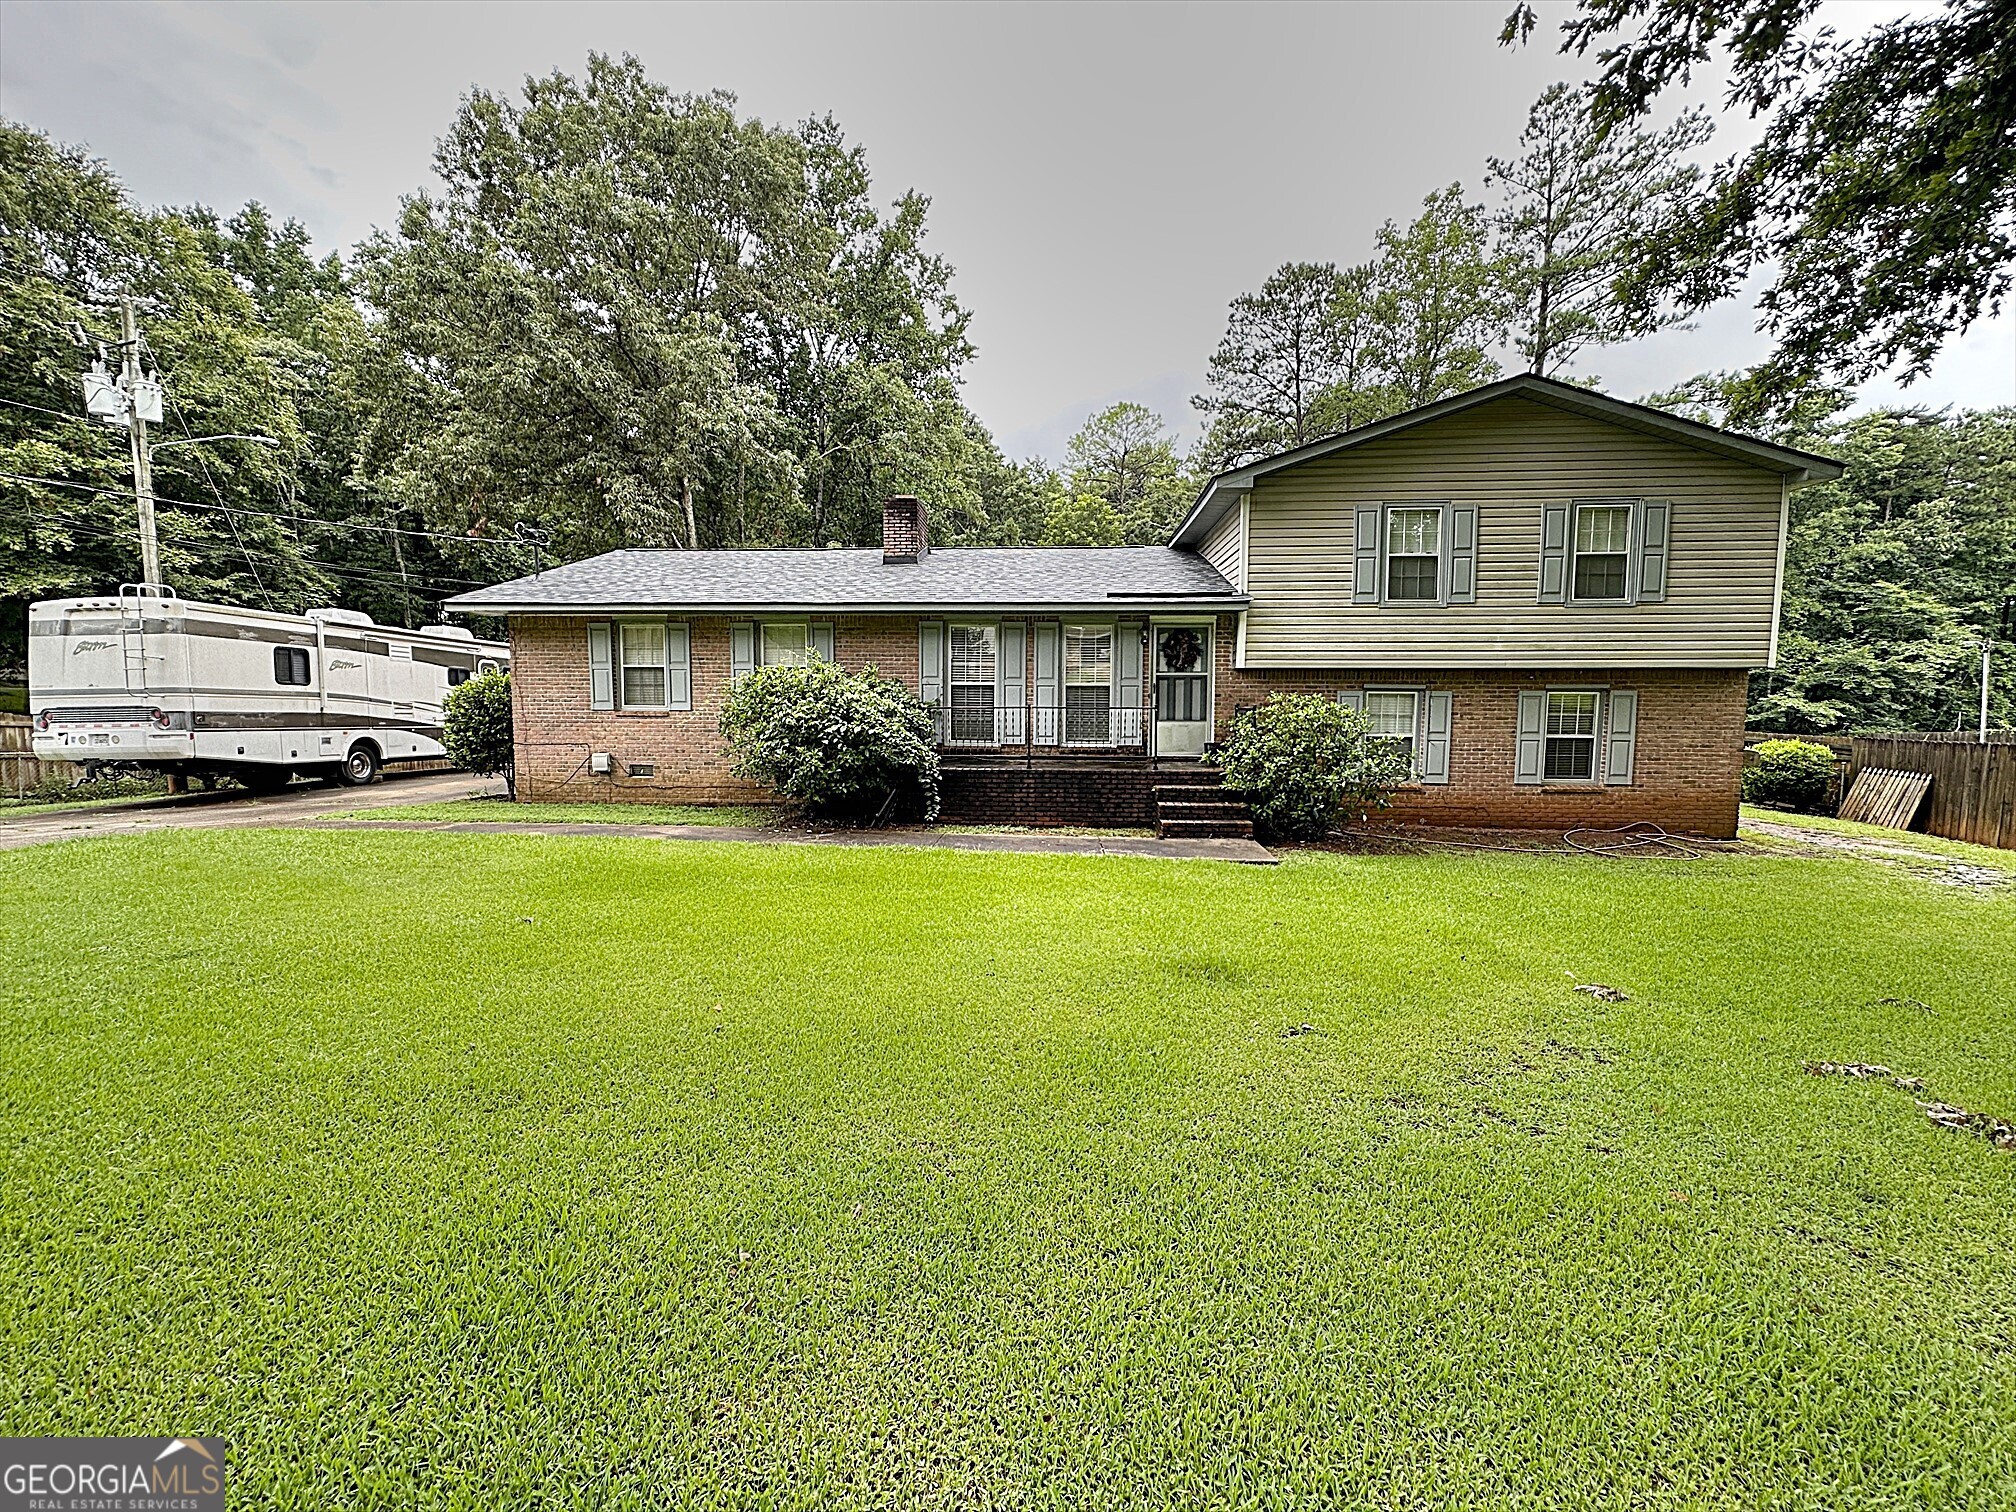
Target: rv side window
x,y
290,666
457,676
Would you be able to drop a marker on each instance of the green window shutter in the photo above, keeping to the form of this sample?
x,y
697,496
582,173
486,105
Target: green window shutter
x,y
1553,555
1529,762
601,667
741,651
822,639
1127,683
1435,748
678,668
931,661
1365,553
1621,748
1049,685
1655,523
1011,683
1460,550
1353,698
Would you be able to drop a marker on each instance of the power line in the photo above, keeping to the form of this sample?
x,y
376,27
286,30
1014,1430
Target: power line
x,y
268,514
59,414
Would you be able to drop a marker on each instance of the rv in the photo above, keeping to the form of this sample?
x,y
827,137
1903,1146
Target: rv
x,y
154,681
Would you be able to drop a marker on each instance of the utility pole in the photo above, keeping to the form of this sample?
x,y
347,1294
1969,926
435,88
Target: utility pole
x,y
136,431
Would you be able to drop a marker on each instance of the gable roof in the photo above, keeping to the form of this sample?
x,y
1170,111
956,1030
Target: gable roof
x,y
1224,490
1099,578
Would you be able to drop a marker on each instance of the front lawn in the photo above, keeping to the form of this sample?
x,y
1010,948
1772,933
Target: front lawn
x,y
442,1170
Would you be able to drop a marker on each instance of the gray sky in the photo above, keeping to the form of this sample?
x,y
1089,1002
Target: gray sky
x,y
1104,179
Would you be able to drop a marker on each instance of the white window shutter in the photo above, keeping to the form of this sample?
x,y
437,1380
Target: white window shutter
x,y
822,639
1435,747
1655,517
1460,549
1620,749
1365,544
1126,724
1529,762
741,651
1353,698
678,668
1553,556
931,661
601,667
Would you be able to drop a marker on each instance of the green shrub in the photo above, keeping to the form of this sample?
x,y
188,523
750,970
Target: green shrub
x,y
1791,774
834,742
1306,763
476,727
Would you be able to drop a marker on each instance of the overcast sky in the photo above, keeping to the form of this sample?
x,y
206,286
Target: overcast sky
x,y
1104,179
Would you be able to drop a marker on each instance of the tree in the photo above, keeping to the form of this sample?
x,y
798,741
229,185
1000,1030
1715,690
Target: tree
x,y
476,728
1578,206
1439,301
1279,354
640,319
1881,199
1122,468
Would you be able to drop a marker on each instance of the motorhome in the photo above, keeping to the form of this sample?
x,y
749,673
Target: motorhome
x,y
148,679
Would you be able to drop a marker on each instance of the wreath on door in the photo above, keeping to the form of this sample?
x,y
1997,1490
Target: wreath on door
x,y
1181,649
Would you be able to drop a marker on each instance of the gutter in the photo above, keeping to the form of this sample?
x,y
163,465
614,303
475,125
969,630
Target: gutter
x,y
1224,603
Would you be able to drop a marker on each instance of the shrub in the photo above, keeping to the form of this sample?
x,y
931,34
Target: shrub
x,y
1792,774
476,727
837,743
1305,763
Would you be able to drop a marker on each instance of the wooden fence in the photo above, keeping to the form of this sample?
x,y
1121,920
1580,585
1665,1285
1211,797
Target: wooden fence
x,y
19,770
1973,793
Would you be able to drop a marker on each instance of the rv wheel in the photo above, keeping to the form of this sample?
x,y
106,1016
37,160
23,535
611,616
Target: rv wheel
x,y
359,767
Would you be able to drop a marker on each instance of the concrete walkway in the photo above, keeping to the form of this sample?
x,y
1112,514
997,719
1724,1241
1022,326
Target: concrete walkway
x,y
303,806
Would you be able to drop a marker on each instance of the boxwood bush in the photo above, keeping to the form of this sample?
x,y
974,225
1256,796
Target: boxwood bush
x,y
1789,774
836,743
1306,764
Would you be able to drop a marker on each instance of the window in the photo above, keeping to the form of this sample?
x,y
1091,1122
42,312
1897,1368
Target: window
x,y
1088,685
1602,552
457,676
973,651
1414,555
785,645
1570,753
643,666
1395,717
290,666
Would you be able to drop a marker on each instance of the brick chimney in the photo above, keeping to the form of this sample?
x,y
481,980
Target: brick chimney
x,y
905,533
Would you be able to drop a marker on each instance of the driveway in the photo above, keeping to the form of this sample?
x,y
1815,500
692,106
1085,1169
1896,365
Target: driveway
x,y
234,809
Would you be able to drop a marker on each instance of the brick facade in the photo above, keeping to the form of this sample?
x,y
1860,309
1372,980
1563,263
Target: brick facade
x,y
1687,762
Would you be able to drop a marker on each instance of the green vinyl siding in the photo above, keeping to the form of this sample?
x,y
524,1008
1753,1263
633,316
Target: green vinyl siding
x,y
1514,460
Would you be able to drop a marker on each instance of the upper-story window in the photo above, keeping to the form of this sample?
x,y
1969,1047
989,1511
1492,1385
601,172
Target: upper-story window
x,y
1602,552
1413,555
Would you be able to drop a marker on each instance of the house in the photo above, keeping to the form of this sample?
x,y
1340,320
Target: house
x,y
1551,597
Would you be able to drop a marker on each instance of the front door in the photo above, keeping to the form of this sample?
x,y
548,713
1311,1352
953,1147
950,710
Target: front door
x,y
1182,689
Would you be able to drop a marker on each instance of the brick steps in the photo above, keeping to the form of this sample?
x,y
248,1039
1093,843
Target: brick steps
x,y
1193,805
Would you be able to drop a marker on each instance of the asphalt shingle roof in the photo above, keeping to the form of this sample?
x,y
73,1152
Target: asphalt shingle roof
x,y
1036,577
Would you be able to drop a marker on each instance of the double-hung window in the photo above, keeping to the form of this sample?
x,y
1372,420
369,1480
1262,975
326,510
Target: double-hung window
x,y
972,662
1413,555
786,644
643,664
1572,723
1602,552
1395,716
1088,684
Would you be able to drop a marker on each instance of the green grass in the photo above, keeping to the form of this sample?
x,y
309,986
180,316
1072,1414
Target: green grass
x,y
1936,845
443,1170
501,810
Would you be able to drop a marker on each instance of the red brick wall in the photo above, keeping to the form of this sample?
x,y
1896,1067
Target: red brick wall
x,y
1687,766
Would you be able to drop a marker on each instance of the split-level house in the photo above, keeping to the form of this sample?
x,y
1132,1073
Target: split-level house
x,y
1551,598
